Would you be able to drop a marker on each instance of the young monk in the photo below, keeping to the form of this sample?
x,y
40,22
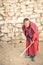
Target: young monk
x,y
30,30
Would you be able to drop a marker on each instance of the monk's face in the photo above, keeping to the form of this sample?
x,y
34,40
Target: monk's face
x,y
27,23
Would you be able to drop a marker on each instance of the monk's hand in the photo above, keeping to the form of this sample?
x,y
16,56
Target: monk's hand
x,y
32,42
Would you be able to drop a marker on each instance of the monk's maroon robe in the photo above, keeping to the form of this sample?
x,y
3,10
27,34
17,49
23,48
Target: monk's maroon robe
x,y
31,33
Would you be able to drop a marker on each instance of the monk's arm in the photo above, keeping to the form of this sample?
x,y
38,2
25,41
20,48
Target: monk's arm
x,y
24,30
36,34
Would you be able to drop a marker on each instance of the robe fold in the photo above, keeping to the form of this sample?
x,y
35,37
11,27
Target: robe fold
x,y
31,33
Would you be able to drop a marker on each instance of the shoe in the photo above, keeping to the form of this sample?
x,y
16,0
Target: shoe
x,y
32,59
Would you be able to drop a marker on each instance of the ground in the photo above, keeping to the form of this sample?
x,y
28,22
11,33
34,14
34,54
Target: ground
x,y
10,55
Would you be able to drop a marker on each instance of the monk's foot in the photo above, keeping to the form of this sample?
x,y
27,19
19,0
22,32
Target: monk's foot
x,y
27,56
33,58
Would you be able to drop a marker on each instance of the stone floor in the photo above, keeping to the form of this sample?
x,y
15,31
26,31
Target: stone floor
x,y
10,55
